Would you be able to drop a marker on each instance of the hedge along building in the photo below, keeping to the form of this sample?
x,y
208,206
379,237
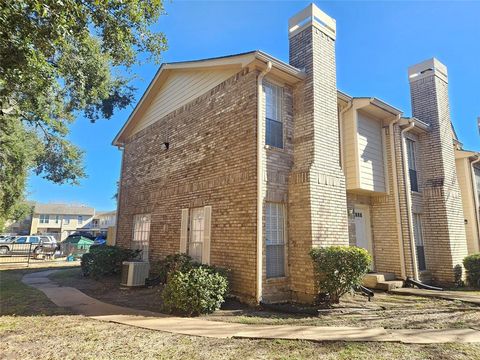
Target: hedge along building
x,y
248,162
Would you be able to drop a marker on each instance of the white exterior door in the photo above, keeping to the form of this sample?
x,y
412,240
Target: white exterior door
x,y
362,228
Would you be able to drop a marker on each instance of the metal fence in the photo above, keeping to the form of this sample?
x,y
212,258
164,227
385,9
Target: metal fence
x,y
16,253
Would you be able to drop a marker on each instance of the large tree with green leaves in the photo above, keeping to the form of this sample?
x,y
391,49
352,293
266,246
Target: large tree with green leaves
x,y
59,60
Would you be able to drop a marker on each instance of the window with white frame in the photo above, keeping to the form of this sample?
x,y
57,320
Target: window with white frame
x,y
66,220
273,115
419,246
80,219
412,164
44,218
141,234
57,219
197,232
275,239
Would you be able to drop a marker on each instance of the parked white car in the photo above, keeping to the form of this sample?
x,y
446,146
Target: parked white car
x,y
20,245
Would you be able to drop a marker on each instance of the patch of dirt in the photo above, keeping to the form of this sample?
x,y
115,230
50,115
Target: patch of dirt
x,y
385,310
108,290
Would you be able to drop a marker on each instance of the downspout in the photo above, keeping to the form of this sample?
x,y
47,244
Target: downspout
x,y
118,194
260,147
408,195
340,127
475,200
396,197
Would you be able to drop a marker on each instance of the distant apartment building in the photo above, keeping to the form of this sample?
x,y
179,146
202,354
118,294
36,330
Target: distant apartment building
x,y
101,222
60,220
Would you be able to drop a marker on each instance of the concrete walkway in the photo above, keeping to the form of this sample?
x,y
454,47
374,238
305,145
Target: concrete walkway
x,y
449,295
85,305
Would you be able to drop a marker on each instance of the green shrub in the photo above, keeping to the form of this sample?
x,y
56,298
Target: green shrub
x,y
199,290
172,263
183,263
472,267
338,269
106,260
458,274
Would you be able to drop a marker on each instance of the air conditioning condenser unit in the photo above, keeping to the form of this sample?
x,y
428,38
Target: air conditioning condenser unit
x,y
134,273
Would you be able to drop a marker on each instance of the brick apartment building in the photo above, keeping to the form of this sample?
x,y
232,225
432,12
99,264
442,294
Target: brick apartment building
x,y
248,162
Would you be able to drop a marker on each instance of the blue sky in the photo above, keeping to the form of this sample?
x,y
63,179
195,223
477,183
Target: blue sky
x,y
376,42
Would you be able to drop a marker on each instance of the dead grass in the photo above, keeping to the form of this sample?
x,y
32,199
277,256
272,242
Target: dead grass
x,y
37,331
76,337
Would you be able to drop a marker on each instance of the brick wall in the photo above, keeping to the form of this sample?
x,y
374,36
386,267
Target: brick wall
x,y
445,240
211,161
317,195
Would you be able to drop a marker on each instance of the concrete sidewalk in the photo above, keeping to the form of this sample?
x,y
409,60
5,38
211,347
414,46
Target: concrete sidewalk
x,y
85,305
464,296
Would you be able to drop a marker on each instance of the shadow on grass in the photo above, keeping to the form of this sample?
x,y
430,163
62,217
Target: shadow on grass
x,y
17,298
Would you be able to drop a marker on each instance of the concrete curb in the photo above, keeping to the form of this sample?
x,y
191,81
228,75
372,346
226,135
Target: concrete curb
x,y
95,309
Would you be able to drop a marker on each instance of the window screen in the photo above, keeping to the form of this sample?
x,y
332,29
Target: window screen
x,y
197,228
418,235
141,234
273,115
412,166
275,240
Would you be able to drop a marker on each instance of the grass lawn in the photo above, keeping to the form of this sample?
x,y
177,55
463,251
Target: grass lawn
x,y
31,327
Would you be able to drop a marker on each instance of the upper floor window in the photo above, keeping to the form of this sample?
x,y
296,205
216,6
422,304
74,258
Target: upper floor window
x,y
412,165
44,218
80,219
57,219
477,179
273,115
66,220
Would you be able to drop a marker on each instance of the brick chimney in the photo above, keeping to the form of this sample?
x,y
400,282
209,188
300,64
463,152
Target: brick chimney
x,y
445,240
317,194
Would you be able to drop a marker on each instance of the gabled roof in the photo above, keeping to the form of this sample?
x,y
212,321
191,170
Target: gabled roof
x,y
279,68
63,209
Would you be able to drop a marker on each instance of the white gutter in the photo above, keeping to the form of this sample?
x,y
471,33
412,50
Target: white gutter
x,y
396,196
408,194
340,128
260,149
475,200
118,195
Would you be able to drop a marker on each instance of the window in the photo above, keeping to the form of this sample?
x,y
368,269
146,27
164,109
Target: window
x,y
80,219
273,115
141,234
21,240
57,219
66,220
418,235
33,240
412,166
477,179
44,218
197,231
275,240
